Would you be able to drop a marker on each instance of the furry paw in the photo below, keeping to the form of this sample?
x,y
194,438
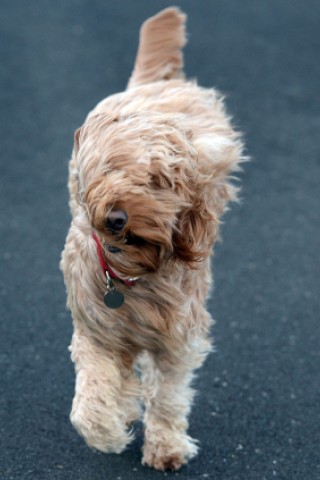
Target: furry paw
x,y
168,451
109,436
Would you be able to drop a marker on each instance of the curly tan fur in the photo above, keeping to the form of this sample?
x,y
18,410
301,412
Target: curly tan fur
x,y
163,152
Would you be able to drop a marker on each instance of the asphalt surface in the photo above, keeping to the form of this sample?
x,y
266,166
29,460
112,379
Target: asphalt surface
x,y
257,412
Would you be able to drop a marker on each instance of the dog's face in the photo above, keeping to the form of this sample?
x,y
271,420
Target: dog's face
x,y
139,185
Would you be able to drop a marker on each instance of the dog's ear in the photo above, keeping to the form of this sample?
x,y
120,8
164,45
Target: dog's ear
x,y
191,234
76,140
205,185
194,229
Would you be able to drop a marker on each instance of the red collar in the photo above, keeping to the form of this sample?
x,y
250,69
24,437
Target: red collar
x,y
105,267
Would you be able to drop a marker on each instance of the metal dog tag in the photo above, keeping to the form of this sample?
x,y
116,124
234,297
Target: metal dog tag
x,y
112,298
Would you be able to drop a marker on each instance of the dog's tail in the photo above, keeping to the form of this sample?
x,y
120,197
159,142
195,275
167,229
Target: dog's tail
x,y
159,56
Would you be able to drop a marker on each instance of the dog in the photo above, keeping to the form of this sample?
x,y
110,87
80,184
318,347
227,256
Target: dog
x,y
151,174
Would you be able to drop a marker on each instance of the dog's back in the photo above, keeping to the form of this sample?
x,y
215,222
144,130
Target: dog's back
x,y
159,56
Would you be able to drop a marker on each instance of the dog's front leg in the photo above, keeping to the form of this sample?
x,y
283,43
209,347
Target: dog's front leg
x,y
168,399
99,410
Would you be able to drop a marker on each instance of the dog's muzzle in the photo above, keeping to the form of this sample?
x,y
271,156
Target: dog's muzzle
x,y
115,222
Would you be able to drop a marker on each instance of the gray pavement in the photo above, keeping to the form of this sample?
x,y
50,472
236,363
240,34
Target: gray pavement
x,y
257,414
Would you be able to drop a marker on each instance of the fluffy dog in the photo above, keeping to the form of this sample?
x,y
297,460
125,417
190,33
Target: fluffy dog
x,y
149,180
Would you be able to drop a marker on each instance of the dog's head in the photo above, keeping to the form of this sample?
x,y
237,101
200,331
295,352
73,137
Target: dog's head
x,y
141,188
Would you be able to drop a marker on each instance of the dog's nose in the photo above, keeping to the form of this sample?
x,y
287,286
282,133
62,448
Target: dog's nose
x,y
116,220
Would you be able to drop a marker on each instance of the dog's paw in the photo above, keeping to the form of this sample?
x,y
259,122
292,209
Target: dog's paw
x,y
108,436
169,451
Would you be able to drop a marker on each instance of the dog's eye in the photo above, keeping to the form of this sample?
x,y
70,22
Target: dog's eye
x,y
112,248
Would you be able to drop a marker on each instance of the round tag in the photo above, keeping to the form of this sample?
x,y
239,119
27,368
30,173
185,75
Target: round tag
x,y
113,299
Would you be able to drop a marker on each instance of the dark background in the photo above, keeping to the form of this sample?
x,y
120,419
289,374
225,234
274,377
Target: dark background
x,y
257,412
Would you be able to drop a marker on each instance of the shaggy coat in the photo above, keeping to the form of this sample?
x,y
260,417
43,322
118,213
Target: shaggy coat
x,y
161,153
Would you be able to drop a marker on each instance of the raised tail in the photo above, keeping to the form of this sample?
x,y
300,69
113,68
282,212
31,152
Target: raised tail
x,y
159,56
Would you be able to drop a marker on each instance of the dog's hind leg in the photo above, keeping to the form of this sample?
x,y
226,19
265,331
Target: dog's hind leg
x,y
159,56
